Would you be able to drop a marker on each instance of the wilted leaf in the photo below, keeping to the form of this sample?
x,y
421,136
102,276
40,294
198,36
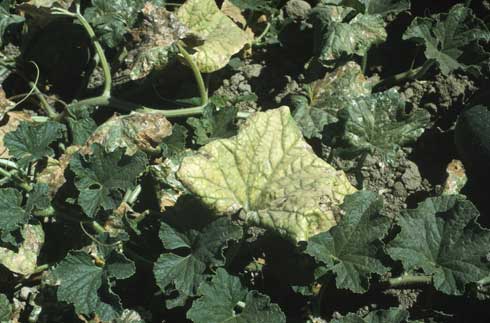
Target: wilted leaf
x,y
234,12
351,248
102,176
54,173
5,104
24,261
222,37
327,96
255,5
82,283
442,238
224,299
9,124
40,10
31,141
379,123
391,315
450,38
270,174
134,132
159,31
168,187
205,251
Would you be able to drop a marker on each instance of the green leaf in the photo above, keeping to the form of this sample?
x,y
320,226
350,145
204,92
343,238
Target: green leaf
x,y
30,141
6,20
102,176
335,38
391,315
5,309
327,96
270,174
86,285
448,38
351,249
112,19
24,260
205,251
224,299
222,37
442,238
80,123
255,5
12,215
175,143
379,123
215,123
378,7
38,198
136,131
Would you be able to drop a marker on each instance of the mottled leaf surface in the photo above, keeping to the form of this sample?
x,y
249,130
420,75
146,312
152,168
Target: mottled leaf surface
x,y
269,173
221,297
222,37
442,238
379,123
351,248
24,260
327,96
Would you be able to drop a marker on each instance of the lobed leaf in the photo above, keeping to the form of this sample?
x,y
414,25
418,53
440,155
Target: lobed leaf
x,y
448,38
270,174
351,249
442,238
205,249
224,295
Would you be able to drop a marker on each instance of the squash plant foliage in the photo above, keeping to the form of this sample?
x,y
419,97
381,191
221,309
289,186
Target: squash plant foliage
x,y
135,188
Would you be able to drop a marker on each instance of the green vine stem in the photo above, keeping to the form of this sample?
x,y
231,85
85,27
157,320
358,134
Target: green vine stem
x,y
405,76
407,281
107,100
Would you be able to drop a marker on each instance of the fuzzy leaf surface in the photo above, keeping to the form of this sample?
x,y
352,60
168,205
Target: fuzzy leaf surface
x,y
351,248
379,123
205,249
5,309
269,173
222,37
102,176
220,297
449,38
442,238
30,141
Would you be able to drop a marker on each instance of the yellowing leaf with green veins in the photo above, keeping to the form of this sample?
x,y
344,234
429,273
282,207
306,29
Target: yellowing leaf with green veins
x,y
24,261
222,38
270,174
